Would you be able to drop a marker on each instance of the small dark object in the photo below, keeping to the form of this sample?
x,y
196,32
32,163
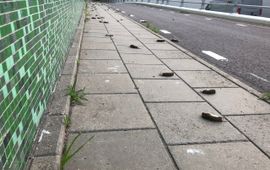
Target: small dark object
x,y
117,20
160,40
105,22
93,18
100,21
98,17
108,35
211,117
134,46
167,74
174,40
209,91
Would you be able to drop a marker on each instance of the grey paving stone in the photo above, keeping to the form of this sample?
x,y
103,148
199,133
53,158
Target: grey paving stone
x,y
96,39
130,150
181,123
150,40
49,142
170,54
148,71
46,163
99,54
98,46
121,111
126,49
205,79
161,46
236,101
222,156
91,34
101,66
256,127
184,64
166,90
105,83
57,104
140,59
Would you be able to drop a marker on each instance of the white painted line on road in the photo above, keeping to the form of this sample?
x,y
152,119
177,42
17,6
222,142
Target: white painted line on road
x,y
215,55
123,12
258,77
208,19
165,31
241,25
187,14
131,15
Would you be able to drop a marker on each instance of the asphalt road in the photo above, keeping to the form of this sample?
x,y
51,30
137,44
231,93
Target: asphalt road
x,y
245,46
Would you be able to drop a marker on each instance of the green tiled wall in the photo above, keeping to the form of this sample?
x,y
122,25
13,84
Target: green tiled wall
x,y
34,39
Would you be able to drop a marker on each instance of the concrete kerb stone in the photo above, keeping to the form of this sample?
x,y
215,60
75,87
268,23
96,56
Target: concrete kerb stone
x,y
195,57
51,159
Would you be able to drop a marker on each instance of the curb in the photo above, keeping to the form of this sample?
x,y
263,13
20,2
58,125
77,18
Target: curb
x,y
197,58
230,16
47,152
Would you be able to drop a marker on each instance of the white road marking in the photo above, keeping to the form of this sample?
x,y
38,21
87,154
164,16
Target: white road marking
x,y
131,15
215,55
165,31
187,14
123,12
258,77
241,25
208,19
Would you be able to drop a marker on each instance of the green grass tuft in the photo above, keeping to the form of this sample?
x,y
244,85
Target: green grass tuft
x,y
151,27
76,96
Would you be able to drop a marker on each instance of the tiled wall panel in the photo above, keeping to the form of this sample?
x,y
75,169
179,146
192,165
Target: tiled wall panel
x,y
34,39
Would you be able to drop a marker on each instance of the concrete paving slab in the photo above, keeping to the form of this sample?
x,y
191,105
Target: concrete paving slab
x,y
161,46
140,59
109,112
93,34
170,54
49,142
96,39
204,79
148,71
184,64
151,40
236,101
98,46
99,54
127,50
166,90
45,163
102,31
101,66
181,123
256,127
132,150
221,156
105,83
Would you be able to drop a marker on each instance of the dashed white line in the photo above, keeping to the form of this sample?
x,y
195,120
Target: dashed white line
x,y
215,55
165,31
208,19
241,25
131,15
258,77
187,14
123,12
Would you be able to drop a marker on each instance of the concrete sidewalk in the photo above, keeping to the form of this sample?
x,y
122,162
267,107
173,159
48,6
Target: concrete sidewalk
x,y
141,120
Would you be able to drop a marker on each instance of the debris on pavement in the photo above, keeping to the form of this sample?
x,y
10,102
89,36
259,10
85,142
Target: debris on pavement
x,y
167,74
208,91
211,117
93,18
160,40
105,22
42,133
143,21
108,35
134,46
175,40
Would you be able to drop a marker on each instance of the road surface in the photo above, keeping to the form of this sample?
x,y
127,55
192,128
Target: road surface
x,y
240,49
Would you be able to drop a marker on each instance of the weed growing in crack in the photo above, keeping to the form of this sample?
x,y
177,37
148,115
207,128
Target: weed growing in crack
x,y
266,96
76,96
68,154
151,26
67,121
